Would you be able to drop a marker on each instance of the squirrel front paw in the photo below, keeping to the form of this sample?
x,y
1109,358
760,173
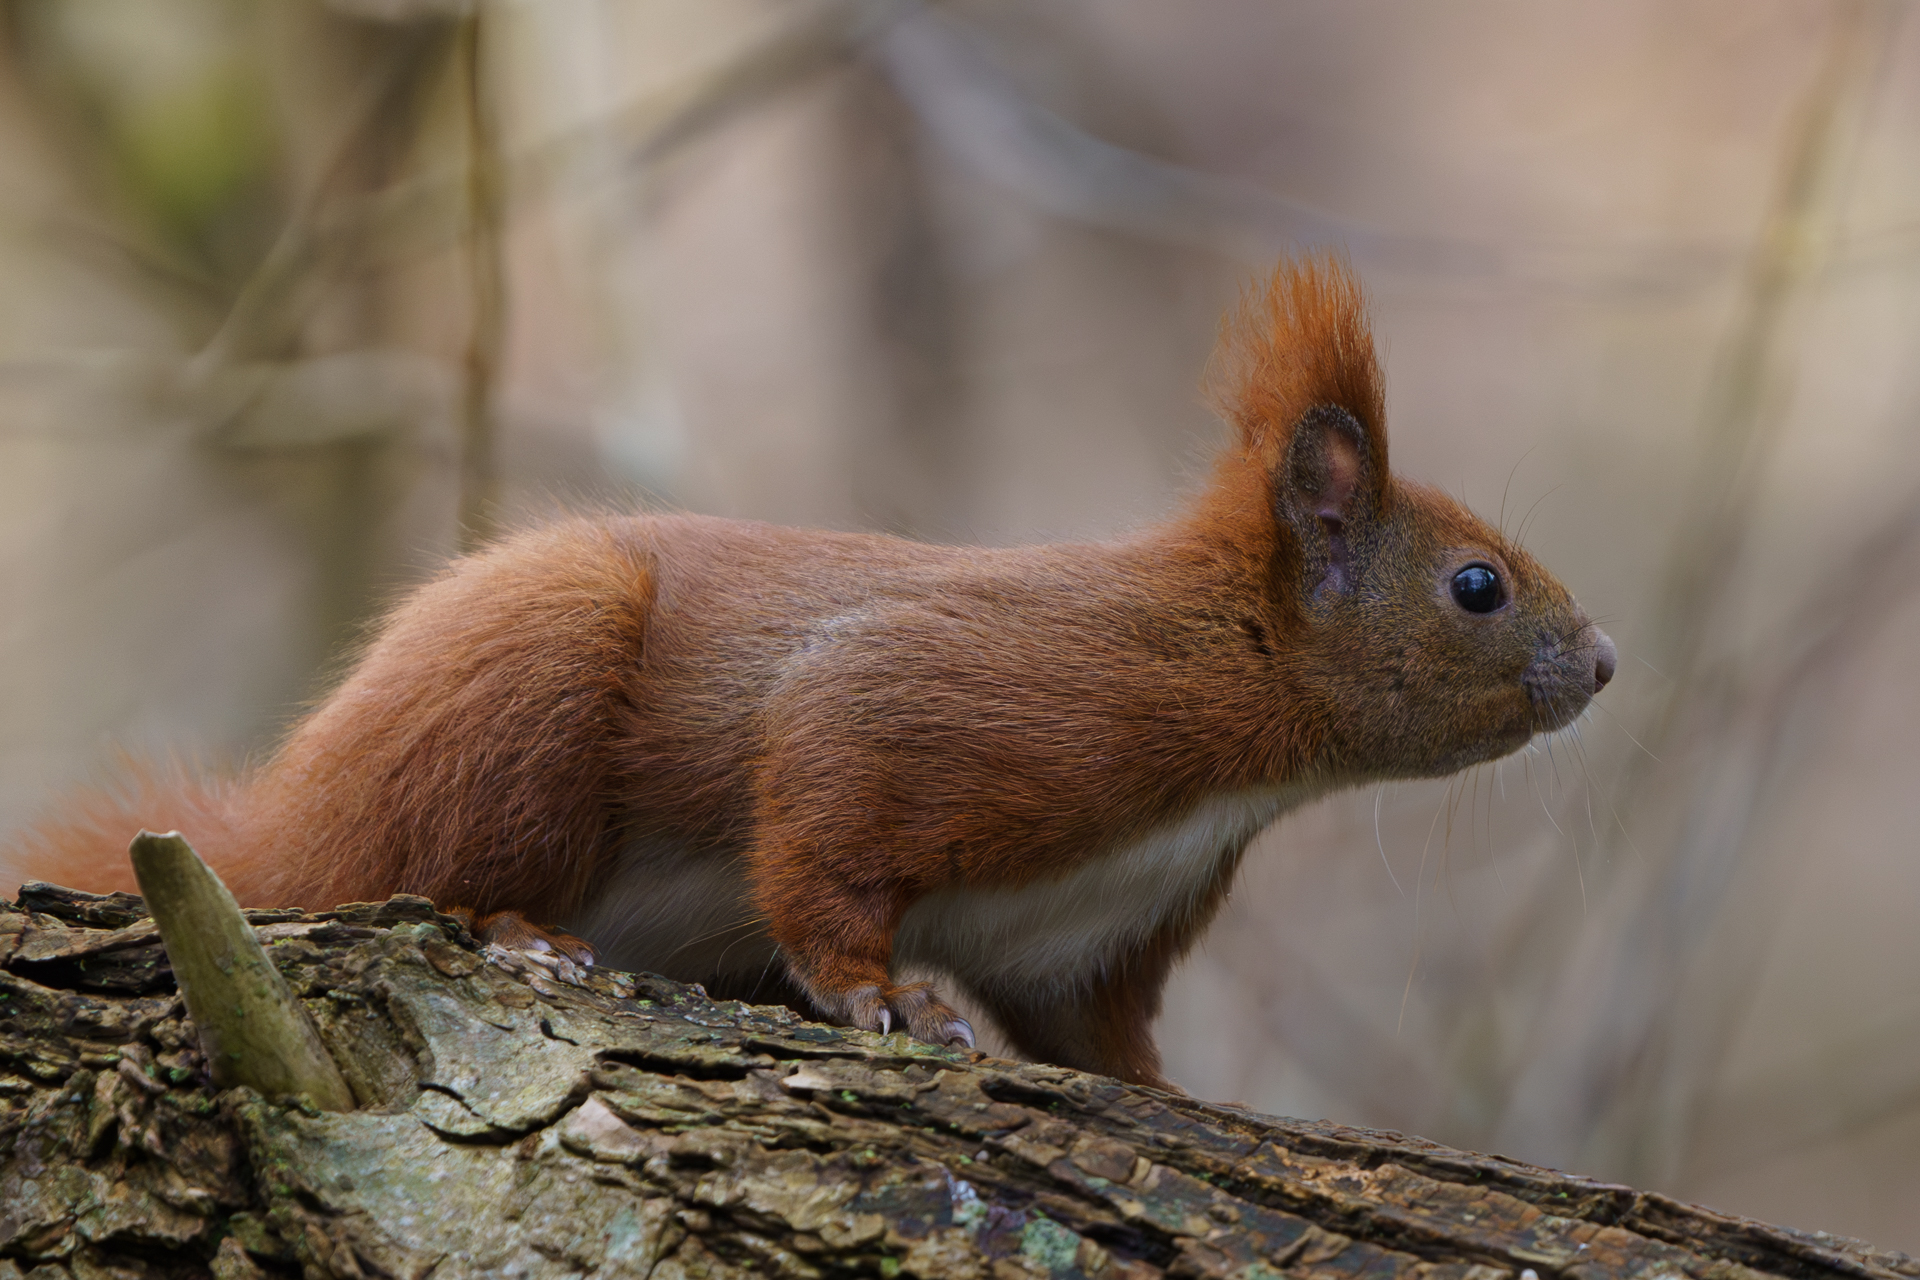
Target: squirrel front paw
x,y
911,1007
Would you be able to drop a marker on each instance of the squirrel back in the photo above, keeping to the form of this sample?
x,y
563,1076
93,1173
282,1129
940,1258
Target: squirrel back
x,y
785,762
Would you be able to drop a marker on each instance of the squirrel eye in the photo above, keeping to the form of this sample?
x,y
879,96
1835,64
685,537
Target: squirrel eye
x,y
1476,589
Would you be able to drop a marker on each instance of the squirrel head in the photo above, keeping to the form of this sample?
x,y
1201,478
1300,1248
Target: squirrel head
x,y
1413,638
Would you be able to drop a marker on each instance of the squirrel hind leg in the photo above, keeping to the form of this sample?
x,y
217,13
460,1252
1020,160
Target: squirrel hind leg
x,y
514,932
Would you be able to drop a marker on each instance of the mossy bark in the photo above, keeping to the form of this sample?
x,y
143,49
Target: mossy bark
x,y
636,1128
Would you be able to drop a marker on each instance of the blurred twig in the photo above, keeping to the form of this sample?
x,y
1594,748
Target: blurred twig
x,y
1836,1090
486,270
1740,425
1794,689
431,210
1615,1053
336,231
977,113
269,308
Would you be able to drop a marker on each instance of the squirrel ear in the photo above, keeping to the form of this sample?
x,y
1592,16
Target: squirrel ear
x,y
1323,492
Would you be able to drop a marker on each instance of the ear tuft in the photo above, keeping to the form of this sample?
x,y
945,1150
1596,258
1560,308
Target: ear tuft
x,y
1297,343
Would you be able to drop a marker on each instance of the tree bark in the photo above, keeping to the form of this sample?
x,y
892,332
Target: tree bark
x,y
512,1125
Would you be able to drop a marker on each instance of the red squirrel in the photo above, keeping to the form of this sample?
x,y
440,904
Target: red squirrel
x,y
786,763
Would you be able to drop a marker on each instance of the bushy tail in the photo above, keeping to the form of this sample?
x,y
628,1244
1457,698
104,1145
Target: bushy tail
x,y
83,843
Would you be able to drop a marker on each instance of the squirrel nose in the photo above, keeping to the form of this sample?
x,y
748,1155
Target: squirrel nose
x,y
1604,659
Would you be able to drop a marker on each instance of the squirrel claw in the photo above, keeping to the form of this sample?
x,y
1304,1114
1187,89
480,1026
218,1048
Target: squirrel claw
x,y
912,1007
538,969
573,956
554,962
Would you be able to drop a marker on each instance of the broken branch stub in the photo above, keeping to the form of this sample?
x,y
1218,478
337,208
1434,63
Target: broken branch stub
x,y
251,1029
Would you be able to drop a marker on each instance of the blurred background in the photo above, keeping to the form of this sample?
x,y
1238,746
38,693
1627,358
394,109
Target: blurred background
x,y
296,299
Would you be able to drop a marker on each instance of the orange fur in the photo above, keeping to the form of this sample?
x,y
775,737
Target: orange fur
x,y
86,843
785,761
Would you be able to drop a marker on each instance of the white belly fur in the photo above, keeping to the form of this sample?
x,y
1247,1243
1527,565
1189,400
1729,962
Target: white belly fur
x,y
666,910
1059,933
